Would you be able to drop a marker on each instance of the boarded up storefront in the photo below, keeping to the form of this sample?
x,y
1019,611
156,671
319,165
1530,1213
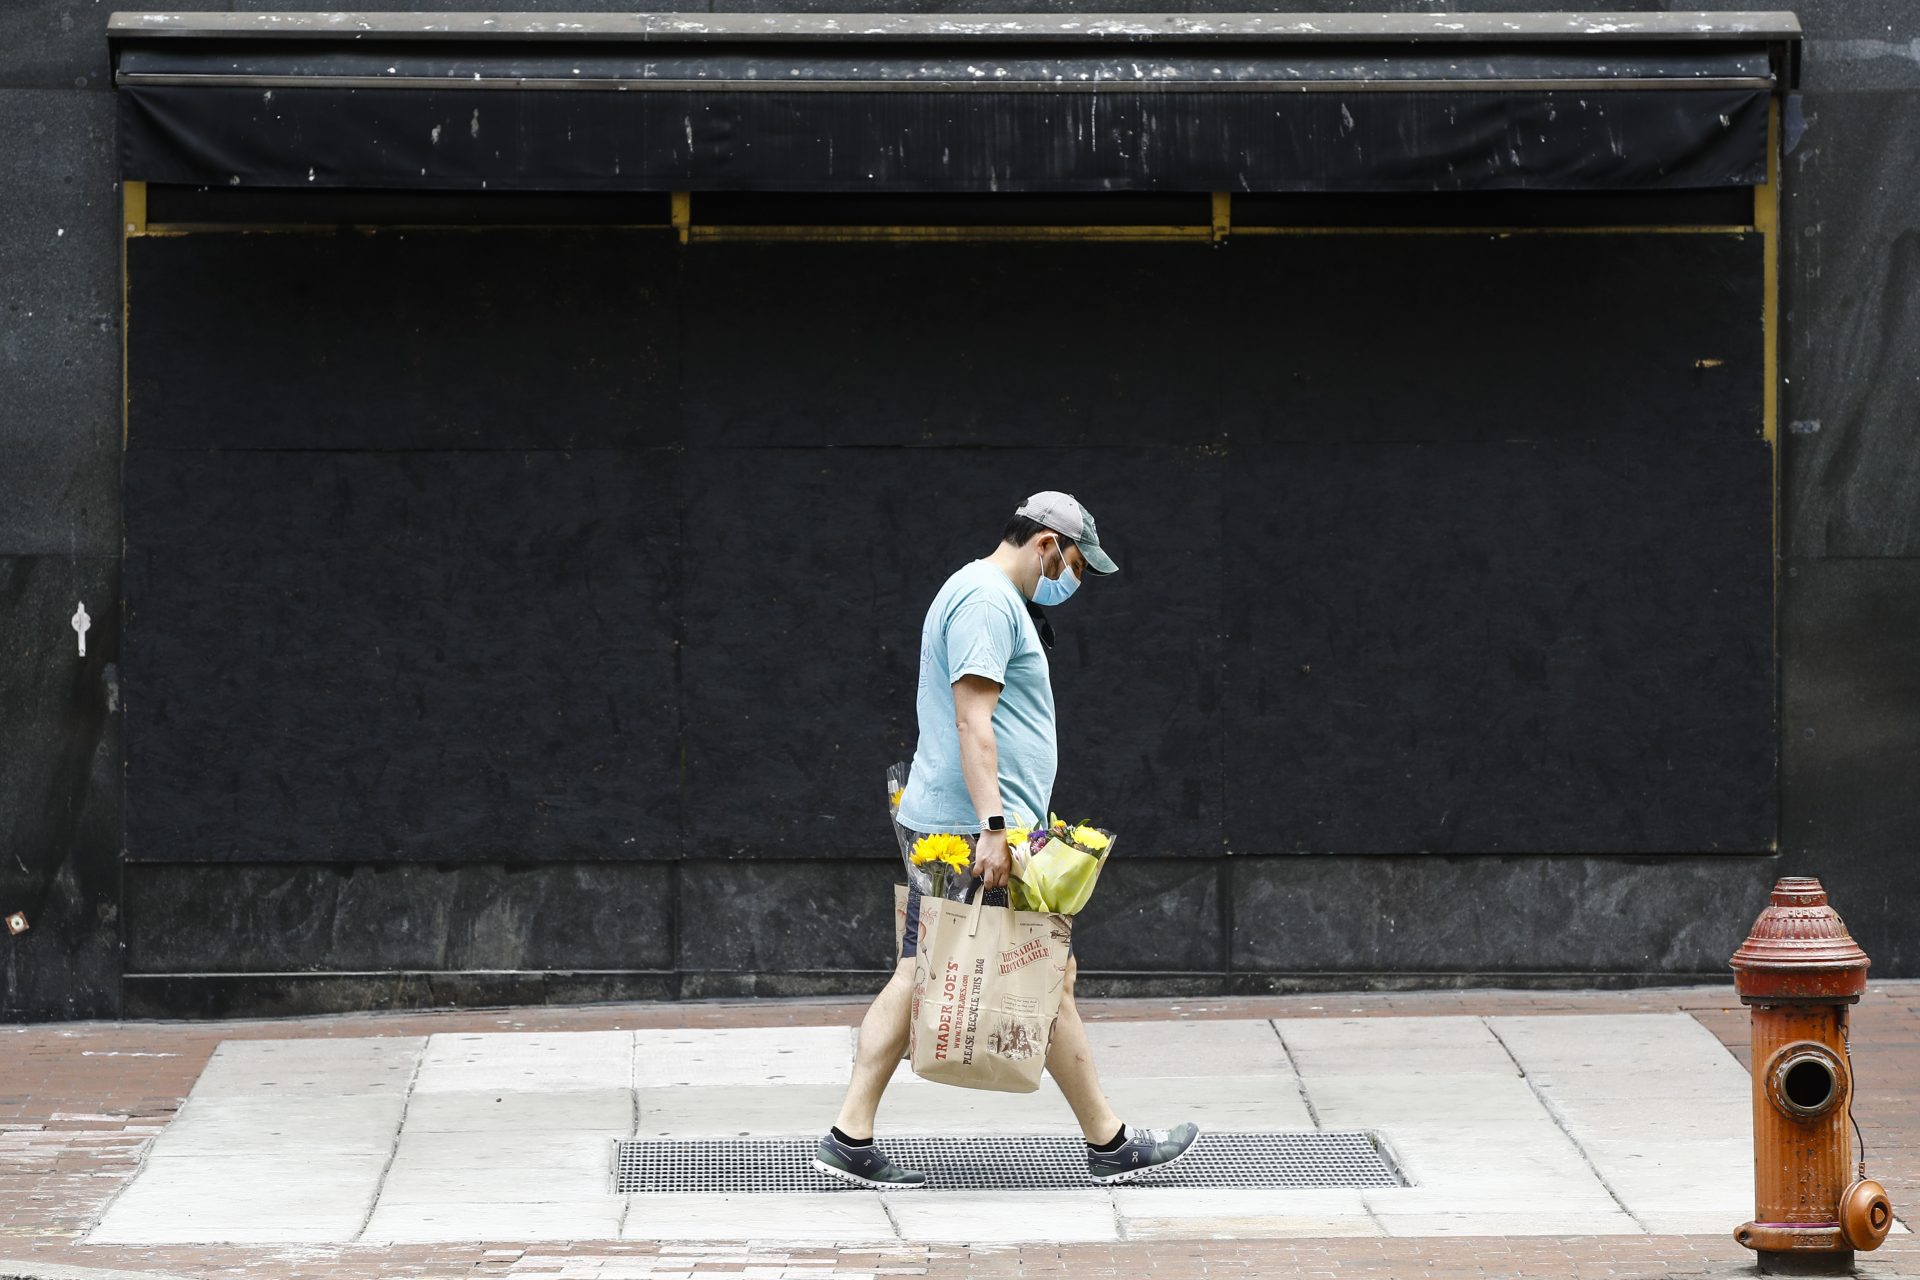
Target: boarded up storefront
x,y
543,437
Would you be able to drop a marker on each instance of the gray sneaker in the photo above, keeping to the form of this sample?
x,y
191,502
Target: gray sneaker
x,y
864,1166
1144,1151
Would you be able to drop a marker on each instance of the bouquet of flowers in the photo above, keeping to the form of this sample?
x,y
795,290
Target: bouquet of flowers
x,y
938,865
1055,866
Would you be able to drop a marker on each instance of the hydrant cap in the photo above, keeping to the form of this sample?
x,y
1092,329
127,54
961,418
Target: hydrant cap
x,y
1800,949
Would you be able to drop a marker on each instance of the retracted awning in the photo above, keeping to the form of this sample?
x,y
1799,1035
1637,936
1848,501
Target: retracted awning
x,y
863,103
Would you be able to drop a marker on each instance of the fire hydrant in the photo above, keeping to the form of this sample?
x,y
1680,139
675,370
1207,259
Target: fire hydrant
x,y
1799,971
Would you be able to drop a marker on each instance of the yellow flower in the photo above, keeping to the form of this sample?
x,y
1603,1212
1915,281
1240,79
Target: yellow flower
x,y
1088,838
1017,836
949,849
893,798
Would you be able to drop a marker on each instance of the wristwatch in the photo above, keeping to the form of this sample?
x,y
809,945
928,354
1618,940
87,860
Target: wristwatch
x,y
996,822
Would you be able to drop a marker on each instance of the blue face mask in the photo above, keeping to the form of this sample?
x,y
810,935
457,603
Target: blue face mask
x,y
1051,591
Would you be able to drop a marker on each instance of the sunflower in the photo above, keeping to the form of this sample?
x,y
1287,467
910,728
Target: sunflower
x,y
1089,838
893,797
949,850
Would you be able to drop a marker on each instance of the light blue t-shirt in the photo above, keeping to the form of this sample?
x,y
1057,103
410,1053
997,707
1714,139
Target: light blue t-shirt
x,y
978,625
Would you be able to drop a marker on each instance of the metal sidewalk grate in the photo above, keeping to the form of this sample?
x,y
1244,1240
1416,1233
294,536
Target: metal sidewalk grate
x,y
1056,1163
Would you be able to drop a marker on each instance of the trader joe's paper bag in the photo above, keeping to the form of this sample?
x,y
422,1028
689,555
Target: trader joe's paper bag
x,y
987,986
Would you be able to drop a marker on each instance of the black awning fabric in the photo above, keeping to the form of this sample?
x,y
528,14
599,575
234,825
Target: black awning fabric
x,y
938,116
933,142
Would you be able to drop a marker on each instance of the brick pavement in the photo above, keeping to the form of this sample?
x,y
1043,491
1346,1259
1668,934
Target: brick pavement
x,y
80,1101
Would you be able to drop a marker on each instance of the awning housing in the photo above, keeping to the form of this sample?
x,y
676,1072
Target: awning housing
x,y
889,104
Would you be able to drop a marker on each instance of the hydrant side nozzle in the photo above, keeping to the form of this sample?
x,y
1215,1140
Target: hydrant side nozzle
x,y
1866,1215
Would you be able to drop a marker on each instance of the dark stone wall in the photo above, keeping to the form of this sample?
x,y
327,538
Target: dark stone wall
x,y
1849,626
60,744
1850,598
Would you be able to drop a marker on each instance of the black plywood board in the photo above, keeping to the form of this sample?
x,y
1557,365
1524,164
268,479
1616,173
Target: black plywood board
x,y
809,573
1541,647
1264,340
561,339
1555,437
432,656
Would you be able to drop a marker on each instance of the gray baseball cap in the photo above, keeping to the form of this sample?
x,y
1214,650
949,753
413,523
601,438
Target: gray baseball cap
x,y
1062,513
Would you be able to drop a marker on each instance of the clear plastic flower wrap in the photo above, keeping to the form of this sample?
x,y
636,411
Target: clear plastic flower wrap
x,y
938,864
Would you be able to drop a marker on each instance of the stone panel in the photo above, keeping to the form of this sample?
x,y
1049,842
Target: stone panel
x,y
1156,915
767,916
1850,687
60,787
277,917
1850,291
57,44
1422,919
59,323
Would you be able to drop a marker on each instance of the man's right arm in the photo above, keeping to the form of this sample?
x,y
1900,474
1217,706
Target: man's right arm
x,y
974,698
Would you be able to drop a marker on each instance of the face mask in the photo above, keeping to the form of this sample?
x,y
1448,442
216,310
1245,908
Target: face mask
x,y
1051,591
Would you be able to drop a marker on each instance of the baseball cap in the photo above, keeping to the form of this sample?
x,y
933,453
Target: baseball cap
x,y
1062,513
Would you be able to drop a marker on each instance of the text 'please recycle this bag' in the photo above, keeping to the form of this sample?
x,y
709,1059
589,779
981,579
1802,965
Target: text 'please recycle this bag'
x,y
987,984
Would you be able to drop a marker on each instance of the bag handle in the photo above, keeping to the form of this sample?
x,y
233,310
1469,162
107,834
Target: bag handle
x,y
979,908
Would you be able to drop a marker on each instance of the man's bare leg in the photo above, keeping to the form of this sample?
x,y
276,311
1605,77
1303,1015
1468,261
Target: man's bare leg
x,y
1070,1061
883,1038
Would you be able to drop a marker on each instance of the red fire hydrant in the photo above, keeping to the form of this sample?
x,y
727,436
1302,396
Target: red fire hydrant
x,y
1798,971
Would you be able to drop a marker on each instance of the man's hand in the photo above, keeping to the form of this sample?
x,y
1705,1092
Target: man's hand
x,y
991,861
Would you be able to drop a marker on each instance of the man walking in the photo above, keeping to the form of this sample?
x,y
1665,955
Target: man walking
x,y
988,749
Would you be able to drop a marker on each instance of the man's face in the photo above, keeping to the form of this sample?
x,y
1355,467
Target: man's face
x,y
1053,546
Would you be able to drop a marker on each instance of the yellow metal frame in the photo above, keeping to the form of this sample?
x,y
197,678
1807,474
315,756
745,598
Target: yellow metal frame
x,y
1219,228
699,233
1766,221
133,222
682,213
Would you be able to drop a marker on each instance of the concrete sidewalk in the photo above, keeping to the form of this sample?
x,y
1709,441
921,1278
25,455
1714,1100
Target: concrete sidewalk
x,y
1549,1134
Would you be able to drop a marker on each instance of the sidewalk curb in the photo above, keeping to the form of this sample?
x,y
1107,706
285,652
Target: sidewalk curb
x,y
15,1270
